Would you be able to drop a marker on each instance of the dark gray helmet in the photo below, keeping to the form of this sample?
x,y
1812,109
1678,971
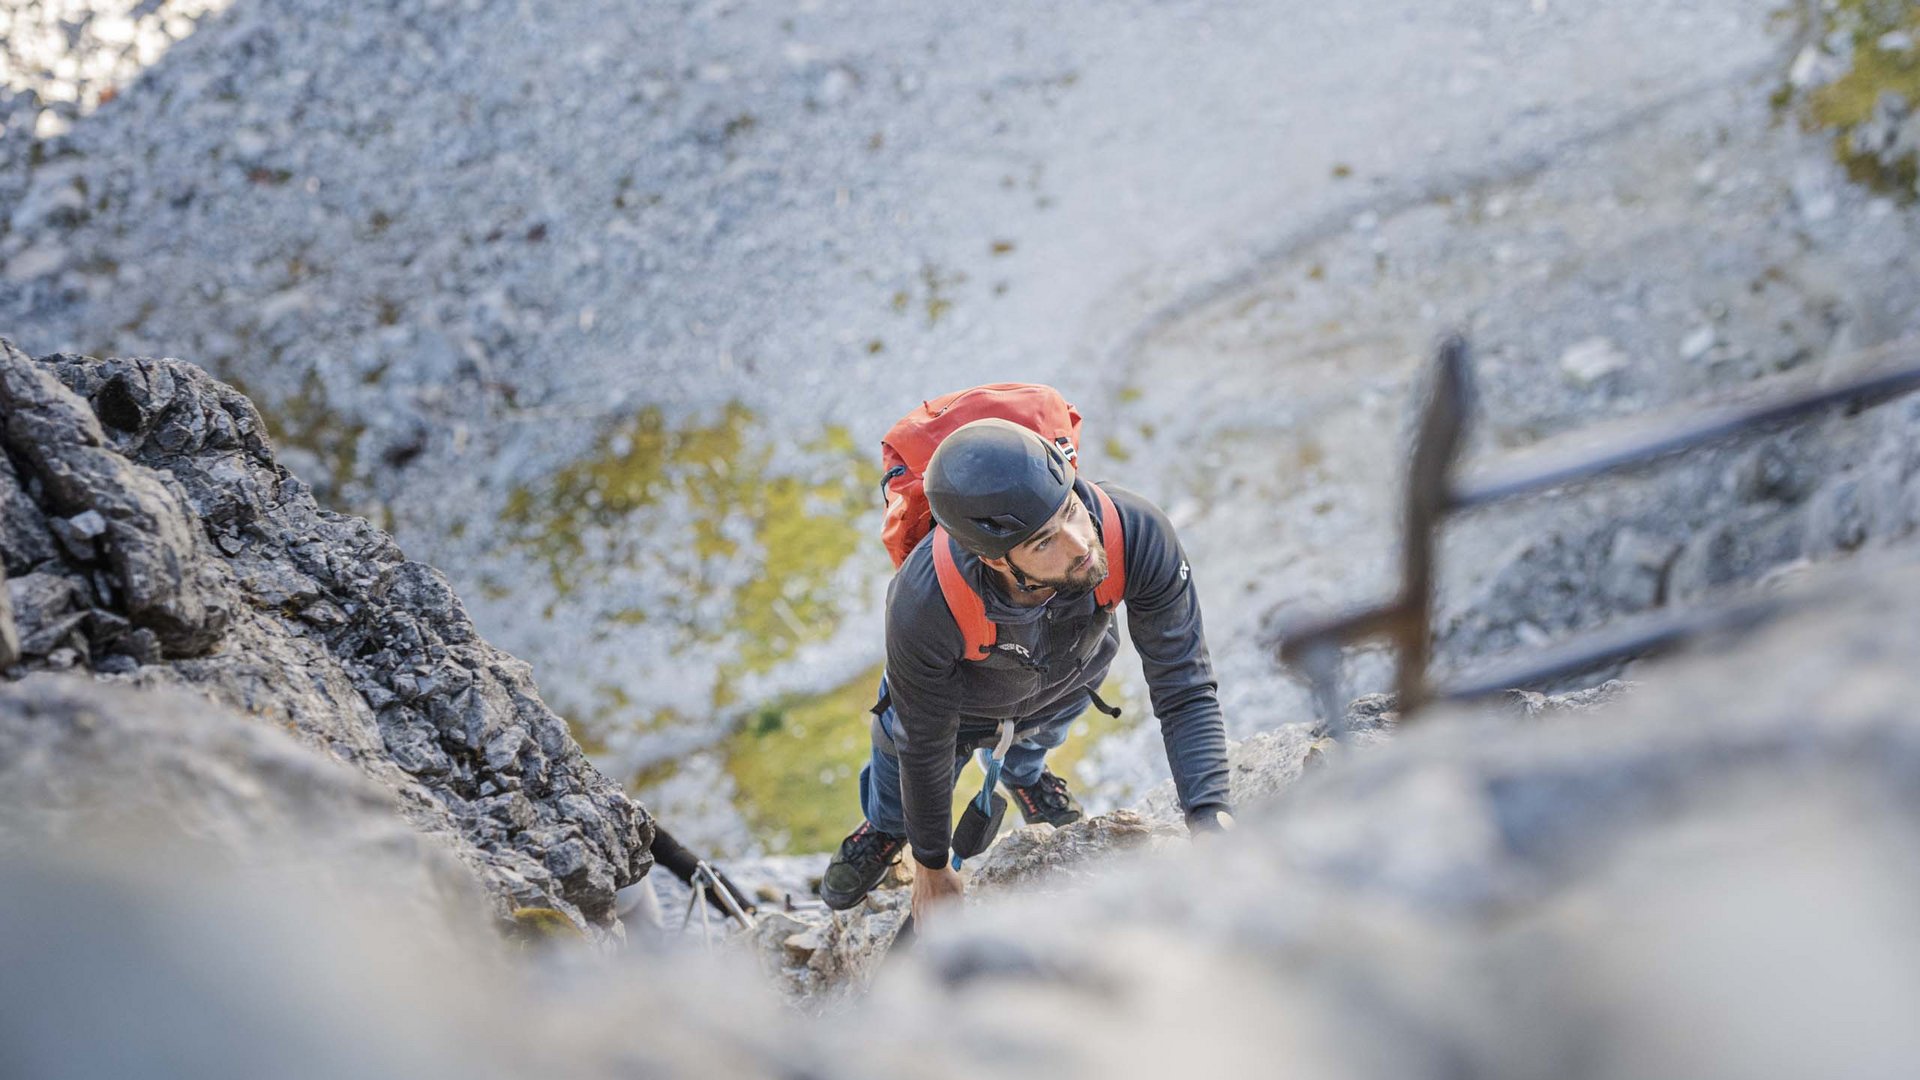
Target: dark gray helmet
x,y
993,483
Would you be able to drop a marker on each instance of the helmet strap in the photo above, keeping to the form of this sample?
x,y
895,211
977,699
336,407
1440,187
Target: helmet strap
x,y
1019,578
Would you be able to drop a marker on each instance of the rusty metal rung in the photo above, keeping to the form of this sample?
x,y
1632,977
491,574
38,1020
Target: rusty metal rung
x,y
1497,484
1616,642
1355,625
1432,495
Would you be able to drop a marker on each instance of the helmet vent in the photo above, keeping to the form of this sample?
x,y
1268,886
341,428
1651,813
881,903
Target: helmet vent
x,y
1001,524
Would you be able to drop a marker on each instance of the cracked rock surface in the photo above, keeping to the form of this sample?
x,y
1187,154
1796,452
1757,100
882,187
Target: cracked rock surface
x,y
152,537
817,955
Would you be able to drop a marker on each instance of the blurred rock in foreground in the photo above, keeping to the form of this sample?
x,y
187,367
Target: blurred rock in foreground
x,y
1712,875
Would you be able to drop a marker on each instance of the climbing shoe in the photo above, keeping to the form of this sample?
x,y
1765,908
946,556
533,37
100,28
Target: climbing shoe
x,y
1046,799
861,863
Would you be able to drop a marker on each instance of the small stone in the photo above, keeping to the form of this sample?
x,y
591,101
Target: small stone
x,y
803,945
1532,635
567,859
142,645
89,524
503,750
50,125
323,613
1591,360
42,260
1814,196
1812,67
77,534
1698,342
1636,571
835,86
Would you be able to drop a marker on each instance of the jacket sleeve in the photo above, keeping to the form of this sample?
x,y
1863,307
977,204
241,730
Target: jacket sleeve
x,y
923,648
1163,619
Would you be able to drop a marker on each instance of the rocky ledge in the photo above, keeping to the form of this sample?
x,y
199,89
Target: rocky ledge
x,y
148,535
817,956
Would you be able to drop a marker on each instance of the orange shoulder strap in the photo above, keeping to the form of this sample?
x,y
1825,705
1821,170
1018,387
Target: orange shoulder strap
x,y
1114,588
969,611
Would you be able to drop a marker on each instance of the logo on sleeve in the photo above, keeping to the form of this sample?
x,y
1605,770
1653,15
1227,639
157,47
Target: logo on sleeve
x,y
1021,649
1183,570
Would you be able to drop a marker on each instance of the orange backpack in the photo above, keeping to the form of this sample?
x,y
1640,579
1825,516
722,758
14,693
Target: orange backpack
x,y
909,444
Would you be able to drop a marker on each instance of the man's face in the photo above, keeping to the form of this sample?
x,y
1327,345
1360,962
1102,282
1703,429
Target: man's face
x,y
1066,553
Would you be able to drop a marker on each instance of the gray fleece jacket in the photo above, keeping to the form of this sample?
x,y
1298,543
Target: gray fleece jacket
x,y
946,705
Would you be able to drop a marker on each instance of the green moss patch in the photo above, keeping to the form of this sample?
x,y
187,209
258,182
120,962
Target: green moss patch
x,y
645,460
800,506
1847,102
795,763
1092,727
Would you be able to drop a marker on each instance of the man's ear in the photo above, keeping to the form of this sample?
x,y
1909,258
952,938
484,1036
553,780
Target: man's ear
x,y
1001,565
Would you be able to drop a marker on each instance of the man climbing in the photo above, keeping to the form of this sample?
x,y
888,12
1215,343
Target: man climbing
x,y
1034,544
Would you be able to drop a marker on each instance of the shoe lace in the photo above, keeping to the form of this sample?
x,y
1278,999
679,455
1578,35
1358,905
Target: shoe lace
x,y
869,844
1050,791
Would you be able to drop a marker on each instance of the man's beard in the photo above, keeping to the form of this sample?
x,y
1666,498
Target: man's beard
x,y
1088,577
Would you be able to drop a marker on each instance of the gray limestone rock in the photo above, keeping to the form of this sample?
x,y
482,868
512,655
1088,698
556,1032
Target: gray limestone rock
x,y
1636,570
187,556
1042,853
1839,518
24,538
1737,550
9,633
820,955
161,562
817,954
47,608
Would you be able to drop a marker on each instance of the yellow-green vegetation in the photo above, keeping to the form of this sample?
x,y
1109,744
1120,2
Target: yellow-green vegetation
x,y
937,300
590,519
595,499
531,926
795,763
1092,727
1847,102
805,531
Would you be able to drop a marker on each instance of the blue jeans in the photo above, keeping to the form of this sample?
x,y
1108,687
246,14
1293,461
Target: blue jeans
x,y
1034,737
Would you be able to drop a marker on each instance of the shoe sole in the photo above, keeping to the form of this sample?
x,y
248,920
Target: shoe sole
x,y
843,901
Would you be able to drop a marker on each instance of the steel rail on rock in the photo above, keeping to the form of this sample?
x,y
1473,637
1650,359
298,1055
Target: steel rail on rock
x,y
1433,493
